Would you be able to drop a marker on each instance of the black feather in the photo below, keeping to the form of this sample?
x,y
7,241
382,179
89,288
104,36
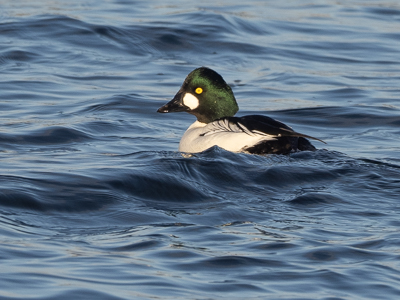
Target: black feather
x,y
283,139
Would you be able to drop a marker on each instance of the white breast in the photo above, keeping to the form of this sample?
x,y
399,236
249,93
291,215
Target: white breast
x,y
201,136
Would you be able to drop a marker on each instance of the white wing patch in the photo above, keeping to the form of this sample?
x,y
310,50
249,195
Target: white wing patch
x,y
225,126
231,136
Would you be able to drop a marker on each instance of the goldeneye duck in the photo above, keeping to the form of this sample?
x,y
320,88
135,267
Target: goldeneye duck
x,y
205,94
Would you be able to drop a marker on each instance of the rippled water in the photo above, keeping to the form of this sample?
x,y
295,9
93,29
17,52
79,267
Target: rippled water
x,y
96,202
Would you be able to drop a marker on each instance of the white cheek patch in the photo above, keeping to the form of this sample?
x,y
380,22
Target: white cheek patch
x,y
190,101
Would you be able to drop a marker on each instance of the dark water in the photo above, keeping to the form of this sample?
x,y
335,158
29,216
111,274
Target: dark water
x,y
95,202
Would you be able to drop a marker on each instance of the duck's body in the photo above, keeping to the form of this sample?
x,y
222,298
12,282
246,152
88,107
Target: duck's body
x,y
223,133
207,96
232,134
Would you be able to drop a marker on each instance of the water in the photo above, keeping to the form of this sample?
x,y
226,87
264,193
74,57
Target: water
x,y
96,203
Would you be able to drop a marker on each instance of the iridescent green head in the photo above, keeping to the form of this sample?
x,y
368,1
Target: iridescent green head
x,y
205,94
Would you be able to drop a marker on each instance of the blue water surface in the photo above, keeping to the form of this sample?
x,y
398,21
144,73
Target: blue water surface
x,y
96,202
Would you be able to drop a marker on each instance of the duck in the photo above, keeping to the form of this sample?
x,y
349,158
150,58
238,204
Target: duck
x,y
206,95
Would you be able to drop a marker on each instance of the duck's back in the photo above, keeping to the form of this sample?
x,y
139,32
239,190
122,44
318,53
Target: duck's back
x,y
252,134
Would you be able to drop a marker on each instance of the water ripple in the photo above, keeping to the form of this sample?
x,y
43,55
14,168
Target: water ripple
x,y
96,201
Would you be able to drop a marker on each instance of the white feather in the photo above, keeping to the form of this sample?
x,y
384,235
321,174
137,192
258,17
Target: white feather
x,y
222,133
190,101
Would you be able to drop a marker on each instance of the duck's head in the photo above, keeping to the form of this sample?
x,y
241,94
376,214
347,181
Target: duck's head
x,y
205,94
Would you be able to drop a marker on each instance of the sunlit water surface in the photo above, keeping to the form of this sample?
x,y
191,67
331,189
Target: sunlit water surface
x,y
96,202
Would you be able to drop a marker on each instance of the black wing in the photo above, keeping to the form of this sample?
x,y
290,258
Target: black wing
x,y
253,125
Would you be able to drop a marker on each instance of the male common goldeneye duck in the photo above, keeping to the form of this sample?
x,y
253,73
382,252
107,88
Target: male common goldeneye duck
x,y
205,94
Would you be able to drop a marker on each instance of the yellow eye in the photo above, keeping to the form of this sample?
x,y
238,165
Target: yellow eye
x,y
199,90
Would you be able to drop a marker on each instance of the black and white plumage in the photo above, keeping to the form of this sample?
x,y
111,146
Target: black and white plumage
x,y
206,95
252,134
